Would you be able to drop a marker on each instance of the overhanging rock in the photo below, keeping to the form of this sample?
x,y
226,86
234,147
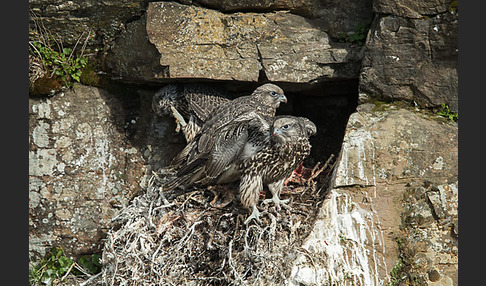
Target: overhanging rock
x,y
200,43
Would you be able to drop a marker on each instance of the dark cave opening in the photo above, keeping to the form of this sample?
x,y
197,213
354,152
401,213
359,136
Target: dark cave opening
x,y
327,104
329,110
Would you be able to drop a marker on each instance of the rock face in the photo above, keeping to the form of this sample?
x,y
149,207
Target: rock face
x,y
412,55
81,169
90,153
428,243
336,16
133,57
105,19
275,46
411,9
375,203
71,20
391,213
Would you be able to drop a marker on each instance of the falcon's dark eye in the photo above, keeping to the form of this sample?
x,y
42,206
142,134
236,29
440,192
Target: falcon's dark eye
x,y
273,93
285,126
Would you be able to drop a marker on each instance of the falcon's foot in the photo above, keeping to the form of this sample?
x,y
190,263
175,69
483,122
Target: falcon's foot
x,y
254,215
278,202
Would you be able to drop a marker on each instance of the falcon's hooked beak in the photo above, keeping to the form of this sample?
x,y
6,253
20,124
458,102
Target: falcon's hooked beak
x,y
282,98
276,131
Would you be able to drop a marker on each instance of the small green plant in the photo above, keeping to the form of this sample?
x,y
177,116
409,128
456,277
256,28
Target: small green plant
x,y
358,36
91,263
64,63
396,273
51,269
342,37
55,266
48,58
446,112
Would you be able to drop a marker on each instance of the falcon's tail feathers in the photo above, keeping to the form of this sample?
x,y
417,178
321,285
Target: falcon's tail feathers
x,y
185,180
193,168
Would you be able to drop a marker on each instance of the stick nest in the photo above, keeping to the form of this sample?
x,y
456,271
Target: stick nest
x,y
178,238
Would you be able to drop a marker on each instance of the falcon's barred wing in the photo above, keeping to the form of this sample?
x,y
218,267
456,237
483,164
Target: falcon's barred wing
x,y
203,101
233,130
194,102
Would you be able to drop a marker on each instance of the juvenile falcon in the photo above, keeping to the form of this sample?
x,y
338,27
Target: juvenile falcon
x,y
287,148
190,104
237,130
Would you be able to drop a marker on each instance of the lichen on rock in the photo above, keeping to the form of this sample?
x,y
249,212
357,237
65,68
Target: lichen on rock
x,y
275,46
384,153
73,169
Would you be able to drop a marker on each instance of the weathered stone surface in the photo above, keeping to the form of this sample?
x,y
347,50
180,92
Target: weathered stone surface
x,y
428,243
307,8
132,57
81,169
338,16
410,8
384,155
412,59
105,19
201,43
71,20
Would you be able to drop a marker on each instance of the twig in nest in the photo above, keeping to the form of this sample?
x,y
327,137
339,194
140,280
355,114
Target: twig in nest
x,y
87,282
69,271
81,269
190,197
166,222
296,211
315,172
188,236
230,261
308,255
272,228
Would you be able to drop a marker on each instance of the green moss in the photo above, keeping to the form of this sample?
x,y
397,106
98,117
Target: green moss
x,y
358,36
397,274
46,85
384,104
89,76
381,104
454,6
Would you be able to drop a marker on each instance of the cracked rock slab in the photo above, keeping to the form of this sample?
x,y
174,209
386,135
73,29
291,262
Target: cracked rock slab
x,y
412,59
196,42
387,156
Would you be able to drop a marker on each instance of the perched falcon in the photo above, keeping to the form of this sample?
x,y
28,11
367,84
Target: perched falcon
x,y
190,104
236,130
287,148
